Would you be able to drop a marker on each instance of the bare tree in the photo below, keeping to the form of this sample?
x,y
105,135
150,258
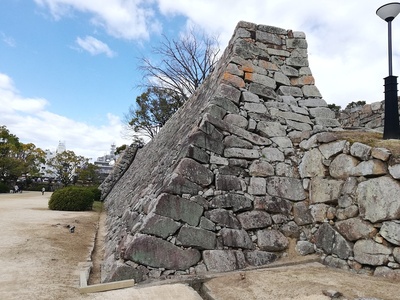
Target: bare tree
x,y
184,63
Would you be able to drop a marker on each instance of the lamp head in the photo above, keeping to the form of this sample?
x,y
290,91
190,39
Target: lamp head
x,y
388,11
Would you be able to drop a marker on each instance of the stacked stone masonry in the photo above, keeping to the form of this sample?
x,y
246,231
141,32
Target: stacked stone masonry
x,y
249,165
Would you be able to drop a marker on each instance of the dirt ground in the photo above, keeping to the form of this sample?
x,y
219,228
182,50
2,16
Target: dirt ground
x,y
40,259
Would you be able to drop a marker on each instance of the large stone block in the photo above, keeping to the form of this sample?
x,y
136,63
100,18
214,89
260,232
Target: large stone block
x,y
391,232
261,168
371,253
229,92
178,208
311,164
302,214
325,190
377,199
254,219
190,236
332,242
271,129
195,172
360,150
241,153
262,91
159,226
260,258
157,253
355,229
370,168
203,140
257,186
286,187
343,166
223,217
228,183
233,201
223,260
272,154
236,238
271,240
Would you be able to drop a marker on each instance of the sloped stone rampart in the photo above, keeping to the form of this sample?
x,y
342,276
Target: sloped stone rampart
x,y
248,163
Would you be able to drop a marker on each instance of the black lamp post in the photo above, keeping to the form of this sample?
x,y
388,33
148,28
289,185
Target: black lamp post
x,y
391,128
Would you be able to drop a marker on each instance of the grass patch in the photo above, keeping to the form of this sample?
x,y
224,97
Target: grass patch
x,y
97,206
373,139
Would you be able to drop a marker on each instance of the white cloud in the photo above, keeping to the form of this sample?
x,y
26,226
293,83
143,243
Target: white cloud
x,y
29,120
94,46
8,40
127,19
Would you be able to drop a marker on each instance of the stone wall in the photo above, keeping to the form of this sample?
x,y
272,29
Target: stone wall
x,y
369,116
246,166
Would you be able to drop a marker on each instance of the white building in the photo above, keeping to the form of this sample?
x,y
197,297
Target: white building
x,y
106,162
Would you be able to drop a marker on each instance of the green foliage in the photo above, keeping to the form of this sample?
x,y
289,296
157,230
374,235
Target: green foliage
x,y
72,199
120,149
88,173
96,192
355,104
154,108
4,188
335,108
16,158
66,166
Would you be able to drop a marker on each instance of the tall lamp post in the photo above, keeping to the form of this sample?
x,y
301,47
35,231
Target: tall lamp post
x,y
391,128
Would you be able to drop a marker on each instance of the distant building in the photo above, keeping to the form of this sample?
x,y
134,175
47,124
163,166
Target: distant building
x,y
106,162
45,170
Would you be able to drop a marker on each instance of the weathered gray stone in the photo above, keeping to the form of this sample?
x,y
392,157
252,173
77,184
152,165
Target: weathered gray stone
x,y
290,71
302,214
261,79
255,108
290,91
261,168
310,91
257,186
229,92
394,171
268,38
281,78
206,224
343,166
250,97
223,260
272,154
226,104
286,170
273,204
311,164
355,229
304,247
227,183
367,168
237,120
338,263
313,103
371,253
324,190
286,187
396,254
391,232
290,229
360,150
322,112
190,236
230,200
202,140
223,217
232,141
333,148
241,153
218,160
326,122
282,142
271,240
271,129
260,258
299,62
261,90
380,153
195,172
197,154
298,126
296,43
298,109
178,185
159,226
236,238
377,199
332,242
319,212
178,209
254,219
294,117
157,253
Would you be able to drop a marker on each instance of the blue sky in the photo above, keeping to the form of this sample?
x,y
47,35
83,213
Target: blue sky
x,y
68,68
